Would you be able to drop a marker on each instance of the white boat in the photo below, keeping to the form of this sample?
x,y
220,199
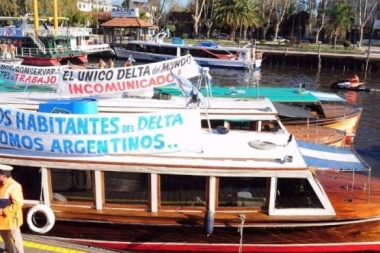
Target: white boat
x,y
159,177
207,54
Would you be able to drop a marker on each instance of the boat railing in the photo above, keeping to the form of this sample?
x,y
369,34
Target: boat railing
x,y
37,41
94,48
33,52
62,31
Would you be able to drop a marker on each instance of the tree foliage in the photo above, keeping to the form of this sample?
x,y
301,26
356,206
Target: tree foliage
x,y
340,20
236,13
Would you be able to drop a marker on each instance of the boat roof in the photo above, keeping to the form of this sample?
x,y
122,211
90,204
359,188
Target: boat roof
x,y
328,157
209,153
233,108
285,94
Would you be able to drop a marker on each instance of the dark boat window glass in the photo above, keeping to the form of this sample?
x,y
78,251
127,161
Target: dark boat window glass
x,y
270,126
242,191
72,185
231,124
296,193
177,190
126,188
30,180
167,50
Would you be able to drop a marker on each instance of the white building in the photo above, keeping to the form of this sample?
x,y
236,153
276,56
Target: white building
x,y
94,5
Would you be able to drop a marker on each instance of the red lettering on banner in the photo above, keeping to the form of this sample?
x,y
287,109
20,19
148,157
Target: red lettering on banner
x,y
21,78
119,86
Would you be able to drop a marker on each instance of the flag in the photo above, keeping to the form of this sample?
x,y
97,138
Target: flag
x,y
189,90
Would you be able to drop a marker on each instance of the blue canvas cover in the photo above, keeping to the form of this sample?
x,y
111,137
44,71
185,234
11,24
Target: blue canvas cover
x,y
328,157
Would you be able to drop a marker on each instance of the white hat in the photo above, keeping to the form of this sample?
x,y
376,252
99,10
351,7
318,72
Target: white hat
x,y
4,167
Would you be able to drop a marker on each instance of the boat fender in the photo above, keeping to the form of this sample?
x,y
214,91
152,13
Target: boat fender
x,y
209,222
71,55
45,210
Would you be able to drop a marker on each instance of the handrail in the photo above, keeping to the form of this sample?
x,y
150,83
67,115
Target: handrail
x,y
37,41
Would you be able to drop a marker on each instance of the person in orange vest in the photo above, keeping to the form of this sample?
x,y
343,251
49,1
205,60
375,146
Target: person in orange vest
x,y
11,217
4,50
12,50
354,81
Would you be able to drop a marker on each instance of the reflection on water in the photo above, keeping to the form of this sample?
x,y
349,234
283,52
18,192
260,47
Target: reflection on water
x,y
367,140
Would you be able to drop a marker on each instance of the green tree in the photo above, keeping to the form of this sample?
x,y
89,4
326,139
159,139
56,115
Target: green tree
x,y
9,8
340,20
235,13
252,17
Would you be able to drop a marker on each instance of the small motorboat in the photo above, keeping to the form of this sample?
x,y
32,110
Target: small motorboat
x,y
347,85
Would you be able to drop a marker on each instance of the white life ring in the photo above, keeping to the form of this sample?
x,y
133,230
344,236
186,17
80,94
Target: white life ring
x,y
50,218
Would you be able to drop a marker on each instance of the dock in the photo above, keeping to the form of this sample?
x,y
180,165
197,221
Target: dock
x,y
43,244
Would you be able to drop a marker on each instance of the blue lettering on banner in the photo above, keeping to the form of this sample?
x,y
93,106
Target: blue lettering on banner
x,y
89,135
156,122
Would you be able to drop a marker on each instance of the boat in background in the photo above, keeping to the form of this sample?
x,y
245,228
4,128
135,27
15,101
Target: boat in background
x,y
300,109
43,47
207,54
347,85
126,173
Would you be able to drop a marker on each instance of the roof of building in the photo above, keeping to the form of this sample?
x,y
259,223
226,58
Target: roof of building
x,y
127,22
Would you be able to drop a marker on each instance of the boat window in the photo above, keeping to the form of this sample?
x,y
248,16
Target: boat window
x,y
242,191
151,49
177,190
232,124
270,126
72,185
30,180
126,188
296,193
202,53
167,50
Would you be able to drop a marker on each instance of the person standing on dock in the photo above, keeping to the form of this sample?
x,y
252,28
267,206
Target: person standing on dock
x,y
127,64
111,64
12,50
4,50
11,217
102,64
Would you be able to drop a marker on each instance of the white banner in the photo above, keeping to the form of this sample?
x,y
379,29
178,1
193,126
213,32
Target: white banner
x,y
87,82
29,75
98,134
125,13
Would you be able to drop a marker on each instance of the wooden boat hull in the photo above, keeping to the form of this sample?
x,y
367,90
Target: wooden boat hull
x,y
318,134
177,231
346,238
344,119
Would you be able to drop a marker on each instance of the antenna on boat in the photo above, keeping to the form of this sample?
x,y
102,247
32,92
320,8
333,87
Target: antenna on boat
x,y
241,217
196,97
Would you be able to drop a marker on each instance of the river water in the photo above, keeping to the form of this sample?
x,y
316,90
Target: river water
x,y
367,140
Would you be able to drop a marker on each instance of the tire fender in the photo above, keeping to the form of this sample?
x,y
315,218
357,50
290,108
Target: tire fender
x,y
50,218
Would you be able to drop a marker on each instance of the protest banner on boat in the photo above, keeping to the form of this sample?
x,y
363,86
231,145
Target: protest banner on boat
x,y
87,82
15,74
62,133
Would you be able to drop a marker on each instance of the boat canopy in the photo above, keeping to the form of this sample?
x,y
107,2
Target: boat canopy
x,y
328,157
292,111
324,96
